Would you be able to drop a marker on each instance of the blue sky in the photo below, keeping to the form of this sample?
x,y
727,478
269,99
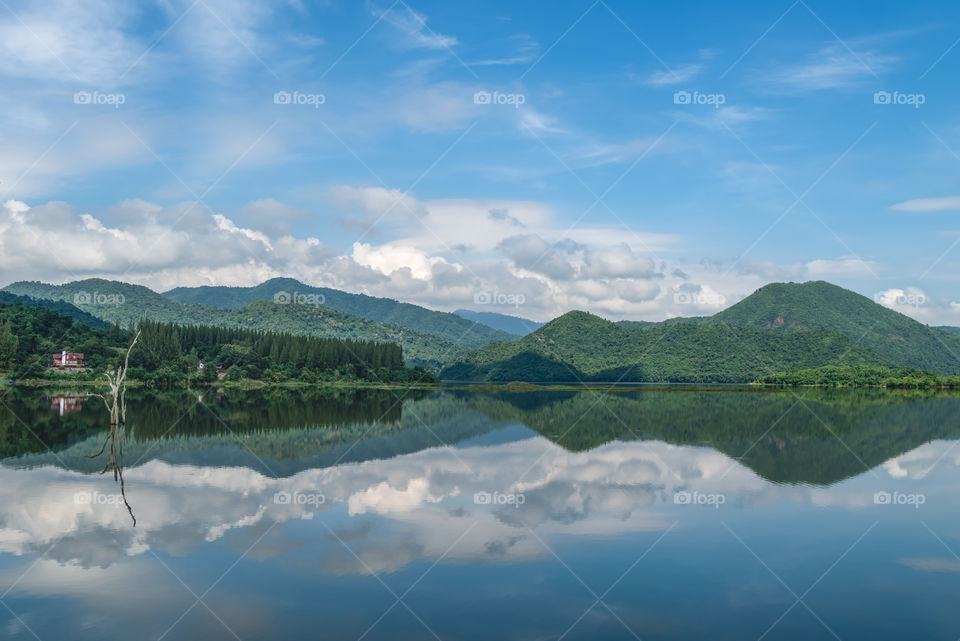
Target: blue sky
x,y
154,143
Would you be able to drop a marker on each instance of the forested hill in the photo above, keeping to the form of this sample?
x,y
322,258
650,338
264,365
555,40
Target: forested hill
x,y
580,346
818,305
115,301
168,354
60,307
450,327
781,327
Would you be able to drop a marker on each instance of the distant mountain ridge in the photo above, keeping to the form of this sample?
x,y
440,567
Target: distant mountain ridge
x,y
780,327
504,322
449,327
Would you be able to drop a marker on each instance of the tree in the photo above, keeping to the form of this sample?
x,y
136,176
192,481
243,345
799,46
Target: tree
x,y
8,345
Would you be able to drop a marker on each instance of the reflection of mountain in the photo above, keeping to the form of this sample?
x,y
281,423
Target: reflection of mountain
x,y
821,437
818,437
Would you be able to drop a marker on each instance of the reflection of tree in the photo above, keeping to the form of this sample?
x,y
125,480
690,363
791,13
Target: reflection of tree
x,y
117,407
771,432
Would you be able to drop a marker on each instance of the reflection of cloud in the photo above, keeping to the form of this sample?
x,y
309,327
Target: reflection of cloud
x,y
391,512
950,566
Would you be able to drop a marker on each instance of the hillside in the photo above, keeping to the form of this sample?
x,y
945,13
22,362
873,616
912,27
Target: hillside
x,y
581,346
112,300
116,301
780,327
450,327
818,305
60,307
504,322
309,320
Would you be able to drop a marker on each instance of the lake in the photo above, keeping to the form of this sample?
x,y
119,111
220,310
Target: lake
x,y
660,513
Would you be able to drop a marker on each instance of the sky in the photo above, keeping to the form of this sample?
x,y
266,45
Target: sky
x,y
633,159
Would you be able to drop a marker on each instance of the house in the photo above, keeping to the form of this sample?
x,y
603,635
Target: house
x,y
66,404
68,359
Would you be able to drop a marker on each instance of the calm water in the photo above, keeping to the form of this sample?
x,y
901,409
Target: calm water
x,y
655,514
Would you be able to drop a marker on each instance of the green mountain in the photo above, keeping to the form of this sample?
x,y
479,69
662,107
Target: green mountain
x,y
581,346
450,327
780,327
112,300
60,307
818,305
949,329
504,322
316,320
126,303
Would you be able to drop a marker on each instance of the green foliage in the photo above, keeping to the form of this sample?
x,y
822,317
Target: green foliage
x,y
582,347
8,345
455,329
794,307
126,304
862,376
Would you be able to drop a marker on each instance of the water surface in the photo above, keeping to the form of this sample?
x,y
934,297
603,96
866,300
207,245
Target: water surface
x,y
459,514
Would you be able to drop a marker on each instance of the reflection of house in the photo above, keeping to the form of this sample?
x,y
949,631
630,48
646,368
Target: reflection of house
x,y
68,359
66,404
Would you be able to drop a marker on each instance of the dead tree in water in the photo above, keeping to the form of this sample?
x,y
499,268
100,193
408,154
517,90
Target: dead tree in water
x,y
117,407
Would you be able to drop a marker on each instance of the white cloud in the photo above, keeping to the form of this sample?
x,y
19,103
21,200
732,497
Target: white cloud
x,y
945,203
413,27
675,76
832,67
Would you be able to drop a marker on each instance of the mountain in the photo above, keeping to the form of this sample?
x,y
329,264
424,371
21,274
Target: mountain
x,y
450,327
511,324
126,303
60,307
580,346
316,320
780,327
818,305
112,300
949,329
